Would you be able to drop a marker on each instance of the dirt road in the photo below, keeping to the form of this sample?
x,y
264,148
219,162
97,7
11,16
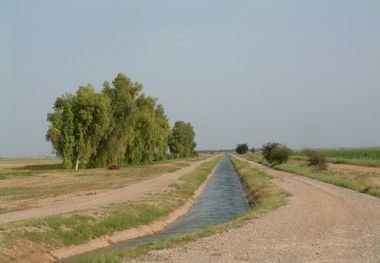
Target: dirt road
x,y
127,193
320,223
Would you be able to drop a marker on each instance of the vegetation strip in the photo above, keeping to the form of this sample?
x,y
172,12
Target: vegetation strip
x,y
258,186
369,157
362,182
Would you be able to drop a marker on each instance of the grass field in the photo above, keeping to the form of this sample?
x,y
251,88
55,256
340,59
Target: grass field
x,y
356,156
364,182
267,197
45,234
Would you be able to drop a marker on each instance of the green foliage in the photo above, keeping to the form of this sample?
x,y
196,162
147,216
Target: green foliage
x,y
117,126
316,158
242,148
276,153
78,124
181,140
253,150
363,154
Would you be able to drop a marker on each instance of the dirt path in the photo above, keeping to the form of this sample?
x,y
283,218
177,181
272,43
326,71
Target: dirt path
x,y
320,223
127,193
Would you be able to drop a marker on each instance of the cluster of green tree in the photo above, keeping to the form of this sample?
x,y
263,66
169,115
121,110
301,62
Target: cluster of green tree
x,y
243,148
276,153
118,125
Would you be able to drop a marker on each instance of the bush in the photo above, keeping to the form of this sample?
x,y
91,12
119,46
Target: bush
x,y
276,153
113,167
242,148
316,158
253,150
267,149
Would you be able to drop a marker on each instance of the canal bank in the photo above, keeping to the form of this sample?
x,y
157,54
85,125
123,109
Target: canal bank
x,y
221,200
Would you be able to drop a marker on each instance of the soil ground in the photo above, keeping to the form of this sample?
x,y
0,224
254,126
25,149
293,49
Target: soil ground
x,y
126,190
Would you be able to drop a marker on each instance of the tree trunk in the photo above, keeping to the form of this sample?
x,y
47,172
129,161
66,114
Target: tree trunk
x,y
77,164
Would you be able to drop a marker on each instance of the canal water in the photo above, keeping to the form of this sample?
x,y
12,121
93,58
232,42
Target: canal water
x,y
222,199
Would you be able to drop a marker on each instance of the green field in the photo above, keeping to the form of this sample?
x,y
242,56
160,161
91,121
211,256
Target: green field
x,y
356,156
361,181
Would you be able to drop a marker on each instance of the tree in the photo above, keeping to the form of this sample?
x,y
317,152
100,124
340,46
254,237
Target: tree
x,y
61,130
116,126
242,148
123,94
151,130
316,158
267,148
181,140
253,150
280,154
275,153
78,124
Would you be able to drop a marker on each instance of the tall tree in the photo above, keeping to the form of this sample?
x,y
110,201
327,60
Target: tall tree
x,y
122,93
78,124
182,140
116,126
61,130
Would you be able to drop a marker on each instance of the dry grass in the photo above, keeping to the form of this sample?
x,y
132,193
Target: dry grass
x,y
36,184
358,180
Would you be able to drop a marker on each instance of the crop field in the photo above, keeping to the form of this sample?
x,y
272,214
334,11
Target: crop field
x,y
356,156
360,178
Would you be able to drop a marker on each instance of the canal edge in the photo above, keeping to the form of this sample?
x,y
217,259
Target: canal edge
x,y
133,233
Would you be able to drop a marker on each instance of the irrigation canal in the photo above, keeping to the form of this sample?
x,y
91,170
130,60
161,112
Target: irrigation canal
x,y
222,199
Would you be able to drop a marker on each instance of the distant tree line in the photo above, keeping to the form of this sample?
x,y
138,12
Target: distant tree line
x,y
118,125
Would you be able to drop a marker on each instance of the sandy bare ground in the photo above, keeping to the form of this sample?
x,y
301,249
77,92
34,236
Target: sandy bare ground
x,y
123,194
320,223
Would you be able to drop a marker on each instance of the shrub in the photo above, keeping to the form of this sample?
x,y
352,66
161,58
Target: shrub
x,y
280,154
113,167
267,149
276,153
316,158
253,150
242,148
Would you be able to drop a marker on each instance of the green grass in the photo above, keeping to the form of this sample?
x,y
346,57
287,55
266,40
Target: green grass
x,y
77,228
263,195
356,181
356,156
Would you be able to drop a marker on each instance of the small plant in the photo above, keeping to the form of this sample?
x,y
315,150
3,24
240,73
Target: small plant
x,y
242,148
276,153
113,167
253,150
316,158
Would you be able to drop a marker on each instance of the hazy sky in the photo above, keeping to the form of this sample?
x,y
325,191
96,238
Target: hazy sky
x,y
304,73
